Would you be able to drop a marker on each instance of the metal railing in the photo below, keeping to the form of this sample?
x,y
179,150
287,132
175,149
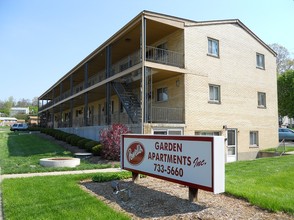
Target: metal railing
x,y
281,148
153,54
159,115
167,115
163,56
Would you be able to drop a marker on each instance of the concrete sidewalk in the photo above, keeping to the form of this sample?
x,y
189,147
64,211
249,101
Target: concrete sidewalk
x,y
57,173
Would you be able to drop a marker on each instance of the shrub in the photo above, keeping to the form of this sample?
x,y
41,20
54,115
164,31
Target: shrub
x,y
82,142
97,149
74,140
58,134
105,177
64,136
89,145
70,137
110,139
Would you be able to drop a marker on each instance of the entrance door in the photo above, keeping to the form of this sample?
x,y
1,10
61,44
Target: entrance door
x,y
231,145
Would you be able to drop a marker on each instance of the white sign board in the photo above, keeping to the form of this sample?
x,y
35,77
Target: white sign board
x,y
198,162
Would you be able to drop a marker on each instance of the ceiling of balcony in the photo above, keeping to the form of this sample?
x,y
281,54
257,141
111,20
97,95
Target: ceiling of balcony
x,y
126,43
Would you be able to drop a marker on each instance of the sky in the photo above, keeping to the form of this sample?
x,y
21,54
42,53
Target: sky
x,y
42,40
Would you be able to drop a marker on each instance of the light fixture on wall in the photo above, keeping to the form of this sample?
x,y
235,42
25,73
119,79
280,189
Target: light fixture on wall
x,y
178,83
224,127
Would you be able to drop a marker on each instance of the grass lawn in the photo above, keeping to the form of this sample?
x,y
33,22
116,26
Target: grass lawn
x,y
280,149
55,197
267,183
21,152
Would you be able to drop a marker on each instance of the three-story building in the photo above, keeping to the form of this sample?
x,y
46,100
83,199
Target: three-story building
x,y
161,74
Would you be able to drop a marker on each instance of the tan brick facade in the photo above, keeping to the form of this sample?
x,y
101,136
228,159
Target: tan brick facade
x,y
239,80
177,55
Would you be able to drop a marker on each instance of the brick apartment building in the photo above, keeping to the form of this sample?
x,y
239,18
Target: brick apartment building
x,y
161,74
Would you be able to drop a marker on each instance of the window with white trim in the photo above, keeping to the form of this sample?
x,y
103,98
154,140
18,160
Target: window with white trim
x,y
213,47
253,138
260,60
261,96
162,94
214,93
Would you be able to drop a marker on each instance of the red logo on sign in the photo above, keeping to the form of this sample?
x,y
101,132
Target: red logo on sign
x,y
135,153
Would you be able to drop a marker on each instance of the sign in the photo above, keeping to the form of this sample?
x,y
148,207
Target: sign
x,y
197,162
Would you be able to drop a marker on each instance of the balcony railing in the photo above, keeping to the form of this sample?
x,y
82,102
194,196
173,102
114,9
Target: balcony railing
x,y
163,56
153,54
159,115
167,115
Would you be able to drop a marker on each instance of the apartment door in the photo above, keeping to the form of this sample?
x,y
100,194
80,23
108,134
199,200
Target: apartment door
x,y
231,145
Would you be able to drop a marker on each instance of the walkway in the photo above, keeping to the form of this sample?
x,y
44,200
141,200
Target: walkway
x,y
57,173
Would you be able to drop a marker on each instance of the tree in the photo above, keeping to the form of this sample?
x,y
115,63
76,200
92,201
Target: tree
x,y
286,94
284,61
35,101
6,106
24,103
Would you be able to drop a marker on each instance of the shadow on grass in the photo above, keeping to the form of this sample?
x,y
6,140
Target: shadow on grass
x,y
26,144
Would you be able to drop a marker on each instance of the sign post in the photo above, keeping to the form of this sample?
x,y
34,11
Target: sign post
x,y
197,162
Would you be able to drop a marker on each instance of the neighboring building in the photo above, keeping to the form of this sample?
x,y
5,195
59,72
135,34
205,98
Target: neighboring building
x,y
286,122
33,120
19,110
161,74
7,121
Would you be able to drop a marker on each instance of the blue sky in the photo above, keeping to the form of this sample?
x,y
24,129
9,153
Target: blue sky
x,y
41,40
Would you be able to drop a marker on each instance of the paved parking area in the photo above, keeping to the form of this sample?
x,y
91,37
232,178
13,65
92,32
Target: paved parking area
x,y
289,143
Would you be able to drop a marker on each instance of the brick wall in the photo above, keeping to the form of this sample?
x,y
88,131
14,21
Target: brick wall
x,y
236,73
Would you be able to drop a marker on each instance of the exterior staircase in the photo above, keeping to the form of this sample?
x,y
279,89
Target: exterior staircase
x,y
129,101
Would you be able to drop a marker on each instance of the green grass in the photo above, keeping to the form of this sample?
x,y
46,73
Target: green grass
x,y
267,183
21,152
280,149
55,197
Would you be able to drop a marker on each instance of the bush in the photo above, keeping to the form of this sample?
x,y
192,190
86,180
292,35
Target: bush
x,y
70,137
59,134
74,140
110,139
105,177
89,145
82,142
97,149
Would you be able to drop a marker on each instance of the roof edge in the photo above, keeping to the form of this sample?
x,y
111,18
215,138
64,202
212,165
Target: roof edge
x,y
238,22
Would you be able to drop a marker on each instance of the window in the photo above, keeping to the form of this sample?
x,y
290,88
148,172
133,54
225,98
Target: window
x,y
259,60
208,133
214,93
162,94
213,47
261,99
168,131
112,107
253,138
122,109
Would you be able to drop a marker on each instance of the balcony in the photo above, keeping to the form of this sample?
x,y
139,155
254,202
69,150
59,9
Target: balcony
x,y
159,115
163,56
153,54
167,115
